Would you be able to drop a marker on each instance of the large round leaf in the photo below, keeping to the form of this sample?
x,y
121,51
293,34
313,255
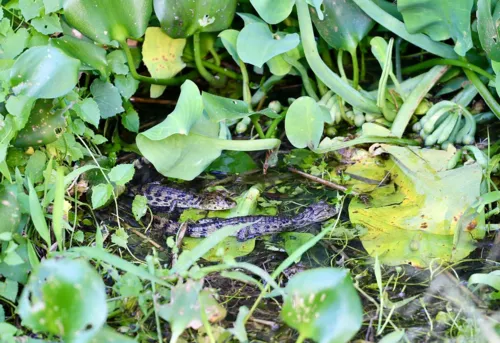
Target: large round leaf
x,y
344,24
323,305
44,125
181,18
44,72
65,298
272,11
105,21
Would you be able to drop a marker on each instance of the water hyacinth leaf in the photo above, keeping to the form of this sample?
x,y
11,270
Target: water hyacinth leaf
x,y
181,19
9,212
48,24
344,24
487,30
44,126
233,162
66,298
121,174
44,72
91,55
105,21
416,218
322,304
440,20
272,11
256,44
107,97
304,122
162,56
229,38
491,279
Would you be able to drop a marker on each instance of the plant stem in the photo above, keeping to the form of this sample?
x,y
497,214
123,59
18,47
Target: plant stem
x,y
256,124
274,124
220,70
303,74
215,55
301,338
414,98
397,27
240,145
175,81
340,64
199,65
445,61
247,96
266,87
332,80
484,92
399,73
355,69
327,58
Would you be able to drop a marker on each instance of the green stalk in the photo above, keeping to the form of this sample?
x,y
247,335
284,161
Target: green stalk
x,y
367,140
484,92
215,55
444,61
414,98
175,81
303,74
325,55
256,124
340,64
266,87
218,69
332,80
274,124
397,27
199,63
240,145
355,69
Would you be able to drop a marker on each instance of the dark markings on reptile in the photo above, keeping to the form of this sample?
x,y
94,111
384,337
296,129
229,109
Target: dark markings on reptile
x,y
257,225
164,198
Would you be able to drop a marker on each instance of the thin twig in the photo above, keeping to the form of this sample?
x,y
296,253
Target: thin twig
x,y
153,101
322,181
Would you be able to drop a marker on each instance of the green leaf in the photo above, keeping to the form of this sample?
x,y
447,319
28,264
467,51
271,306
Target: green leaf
x,y
162,56
440,20
44,126
323,305
130,120
30,8
37,215
181,19
118,62
108,335
107,97
139,206
272,11
89,54
101,194
304,122
121,174
47,24
66,298
20,108
344,24
393,337
105,21
36,166
487,30
120,238
9,289
229,38
14,43
52,5
256,44
233,162
491,279
127,85
9,211
44,72
88,110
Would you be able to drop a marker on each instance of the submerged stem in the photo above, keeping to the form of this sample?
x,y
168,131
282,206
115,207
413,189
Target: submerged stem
x,y
332,80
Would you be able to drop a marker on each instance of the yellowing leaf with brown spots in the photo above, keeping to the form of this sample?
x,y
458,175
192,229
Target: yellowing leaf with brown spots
x,y
162,56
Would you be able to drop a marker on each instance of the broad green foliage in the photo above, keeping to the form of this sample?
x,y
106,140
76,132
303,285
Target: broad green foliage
x,y
440,20
9,211
44,72
181,19
272,11
65,298
304,123
256,44
102,22
323,305
344,24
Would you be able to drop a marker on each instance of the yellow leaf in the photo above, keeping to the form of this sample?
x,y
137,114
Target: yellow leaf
x,y
162,56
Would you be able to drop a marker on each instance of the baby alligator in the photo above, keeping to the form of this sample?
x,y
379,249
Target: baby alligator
x,y
257,225
161,197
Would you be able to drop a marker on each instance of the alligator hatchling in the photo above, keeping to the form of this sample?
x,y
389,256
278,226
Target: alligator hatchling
x,y
163,198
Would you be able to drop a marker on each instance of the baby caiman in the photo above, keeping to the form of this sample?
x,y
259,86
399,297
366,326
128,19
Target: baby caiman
x,y
257,225
164,198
